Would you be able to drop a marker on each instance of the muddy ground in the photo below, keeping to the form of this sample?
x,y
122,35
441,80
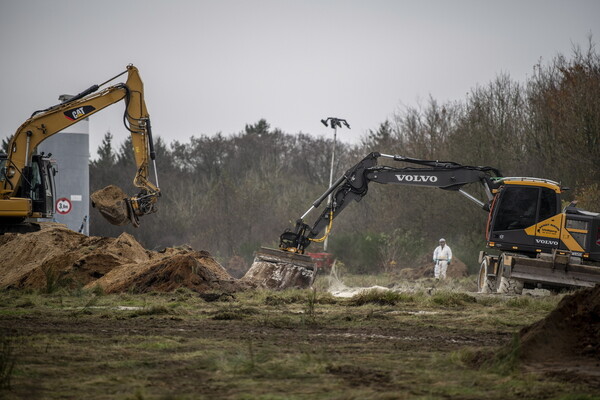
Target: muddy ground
x,y
104,318
437,343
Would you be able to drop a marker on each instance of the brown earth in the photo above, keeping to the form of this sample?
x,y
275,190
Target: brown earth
x,y
181,372
195,270
58,256
111,203
567,341
424,269
572,329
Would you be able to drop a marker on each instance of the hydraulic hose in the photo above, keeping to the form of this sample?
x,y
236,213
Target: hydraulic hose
x,y
322,239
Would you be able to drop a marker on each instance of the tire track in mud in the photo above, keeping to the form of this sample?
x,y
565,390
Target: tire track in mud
x,y
433,338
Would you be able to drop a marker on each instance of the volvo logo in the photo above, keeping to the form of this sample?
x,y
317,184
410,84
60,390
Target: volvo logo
x,y
417,178
547,242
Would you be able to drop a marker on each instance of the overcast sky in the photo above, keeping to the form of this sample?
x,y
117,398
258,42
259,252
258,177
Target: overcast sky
x,y
214,66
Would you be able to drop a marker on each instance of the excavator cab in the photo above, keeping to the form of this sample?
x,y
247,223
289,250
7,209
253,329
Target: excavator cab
x,y
34,199
526,217
37,187
3,160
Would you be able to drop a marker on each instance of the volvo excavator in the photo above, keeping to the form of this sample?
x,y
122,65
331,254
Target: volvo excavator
x,y
539,244
27,178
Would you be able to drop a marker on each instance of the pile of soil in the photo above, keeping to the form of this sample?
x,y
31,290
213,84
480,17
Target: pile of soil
x,y
566,344
570,332
425,269
195,270
58,256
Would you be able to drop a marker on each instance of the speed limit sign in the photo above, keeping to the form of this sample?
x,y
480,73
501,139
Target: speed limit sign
x,y
63,205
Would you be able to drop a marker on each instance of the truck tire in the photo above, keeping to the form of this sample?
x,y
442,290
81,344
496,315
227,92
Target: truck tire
x,y
508,285
485,283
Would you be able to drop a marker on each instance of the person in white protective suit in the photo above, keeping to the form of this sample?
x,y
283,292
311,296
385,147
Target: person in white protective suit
x,y
442,256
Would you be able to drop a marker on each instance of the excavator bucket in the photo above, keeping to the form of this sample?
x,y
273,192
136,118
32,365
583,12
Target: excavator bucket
x,y
114,205
278,269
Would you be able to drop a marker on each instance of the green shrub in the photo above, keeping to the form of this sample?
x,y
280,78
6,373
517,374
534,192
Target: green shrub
x,y
55,280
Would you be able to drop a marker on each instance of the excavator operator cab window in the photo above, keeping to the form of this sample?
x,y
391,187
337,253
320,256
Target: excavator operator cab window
x,y
3,159
49,173
36,182
549,205
42,185
518,208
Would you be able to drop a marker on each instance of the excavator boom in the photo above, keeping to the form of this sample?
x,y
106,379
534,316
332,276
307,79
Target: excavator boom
x,y
353,185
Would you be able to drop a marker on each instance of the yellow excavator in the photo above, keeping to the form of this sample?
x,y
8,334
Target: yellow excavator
x,y
27,179
539,244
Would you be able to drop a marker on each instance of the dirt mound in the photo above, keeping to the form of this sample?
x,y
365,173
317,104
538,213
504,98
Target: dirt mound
x,y
425,266
112,204
57,256
195,270
571,331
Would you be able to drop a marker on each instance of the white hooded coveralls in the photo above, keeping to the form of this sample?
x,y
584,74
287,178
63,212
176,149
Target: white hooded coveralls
x,y
442,256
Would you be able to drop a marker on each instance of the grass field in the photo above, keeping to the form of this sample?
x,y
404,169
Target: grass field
x,y
430,343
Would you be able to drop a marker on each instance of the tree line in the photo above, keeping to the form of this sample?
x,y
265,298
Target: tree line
x,y
231,194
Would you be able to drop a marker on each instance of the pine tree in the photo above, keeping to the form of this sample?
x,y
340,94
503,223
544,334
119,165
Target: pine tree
x,y
106,155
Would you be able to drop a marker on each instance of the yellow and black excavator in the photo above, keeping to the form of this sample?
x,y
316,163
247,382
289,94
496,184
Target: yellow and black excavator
x,y
539,244
27,178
